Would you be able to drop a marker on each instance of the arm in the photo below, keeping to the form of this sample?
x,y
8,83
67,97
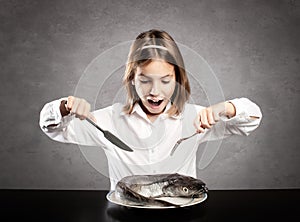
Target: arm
x,y
58,121
235,117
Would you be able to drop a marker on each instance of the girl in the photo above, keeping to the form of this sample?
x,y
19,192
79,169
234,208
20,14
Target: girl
x,y
155,116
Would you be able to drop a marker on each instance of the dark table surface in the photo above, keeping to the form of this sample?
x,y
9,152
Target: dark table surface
x,y
229,205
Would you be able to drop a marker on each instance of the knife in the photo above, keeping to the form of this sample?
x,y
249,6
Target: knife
x,y
111,137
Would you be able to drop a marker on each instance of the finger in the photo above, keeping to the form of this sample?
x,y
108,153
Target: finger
x,y
69,104
210,117
197,124
81,109
201,130
204,121
86,110
75,105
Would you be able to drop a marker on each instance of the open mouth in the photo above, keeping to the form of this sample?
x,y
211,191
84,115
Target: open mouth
x,y
155,102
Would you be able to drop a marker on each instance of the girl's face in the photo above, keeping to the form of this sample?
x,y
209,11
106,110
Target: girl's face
x,y
155,84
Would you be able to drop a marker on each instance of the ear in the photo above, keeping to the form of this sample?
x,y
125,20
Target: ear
x,y
132,82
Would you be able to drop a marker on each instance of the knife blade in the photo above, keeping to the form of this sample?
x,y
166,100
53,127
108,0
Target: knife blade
x,y
111,137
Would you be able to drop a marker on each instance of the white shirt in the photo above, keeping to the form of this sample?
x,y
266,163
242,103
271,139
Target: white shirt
x,y
151,142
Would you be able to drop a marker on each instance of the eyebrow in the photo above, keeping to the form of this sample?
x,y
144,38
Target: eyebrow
x,y
147,76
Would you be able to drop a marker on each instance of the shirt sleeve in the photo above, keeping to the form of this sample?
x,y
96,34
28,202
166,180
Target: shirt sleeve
x,y
67,129
50,116
248,117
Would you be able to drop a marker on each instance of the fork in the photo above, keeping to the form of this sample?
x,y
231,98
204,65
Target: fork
x,y
179,141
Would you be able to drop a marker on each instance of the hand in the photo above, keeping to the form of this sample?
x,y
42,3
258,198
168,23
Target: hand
x,y
209,116
80,107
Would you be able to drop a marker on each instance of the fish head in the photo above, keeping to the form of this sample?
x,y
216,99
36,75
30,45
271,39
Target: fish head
x,y
184,186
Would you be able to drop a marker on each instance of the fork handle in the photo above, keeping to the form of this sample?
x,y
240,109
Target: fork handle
x,y
174,148
185,138
179,141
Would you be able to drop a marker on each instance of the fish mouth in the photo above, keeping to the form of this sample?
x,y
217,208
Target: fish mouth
x,y
198,193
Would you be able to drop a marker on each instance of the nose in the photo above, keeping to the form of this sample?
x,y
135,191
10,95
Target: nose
x,y
155,89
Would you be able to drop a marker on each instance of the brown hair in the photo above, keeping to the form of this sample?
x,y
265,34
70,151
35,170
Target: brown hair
x,y
167,50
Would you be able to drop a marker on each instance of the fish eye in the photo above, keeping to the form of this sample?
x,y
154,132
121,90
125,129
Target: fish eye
x,y
185,189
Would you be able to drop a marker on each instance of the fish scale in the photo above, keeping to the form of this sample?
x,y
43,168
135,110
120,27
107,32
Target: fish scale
x,y
152,190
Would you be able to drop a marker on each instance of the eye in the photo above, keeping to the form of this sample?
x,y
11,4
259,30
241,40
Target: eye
x,y
165,81
144,81
185,189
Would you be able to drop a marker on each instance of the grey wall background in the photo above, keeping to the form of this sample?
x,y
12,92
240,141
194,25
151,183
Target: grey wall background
x,y
252,46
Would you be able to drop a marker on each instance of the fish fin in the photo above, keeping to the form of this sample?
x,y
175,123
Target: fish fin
x,y
164,203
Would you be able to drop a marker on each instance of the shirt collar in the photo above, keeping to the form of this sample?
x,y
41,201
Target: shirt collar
x,y
138,110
